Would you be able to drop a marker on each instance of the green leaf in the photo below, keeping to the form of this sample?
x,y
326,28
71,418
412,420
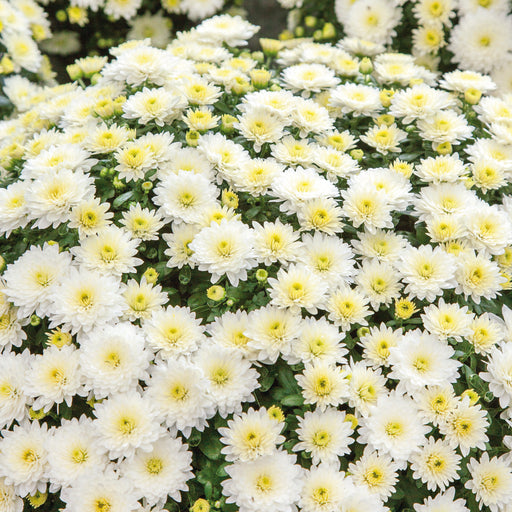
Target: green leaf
x,y
292,400
119,200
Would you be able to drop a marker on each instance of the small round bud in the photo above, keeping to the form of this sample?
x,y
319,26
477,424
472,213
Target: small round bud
x,y
329,31
74,71
2,263
59,338
61,15
192,138
261,275
36,415
230,302
146,186
260,78
258,56
240,86
357,154
151,275
365,66
200,505
310,21
276,413
226,126
35,320
318,35
472,96
270,47
216,292
445,148
38,499
118,184
472,395
286,35
362,331
386,119
229,198
299,31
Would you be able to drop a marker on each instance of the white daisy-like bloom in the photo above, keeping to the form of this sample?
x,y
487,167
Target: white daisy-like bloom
x,y
295,186
90,216
232,30
22,50
421,359
250,435
328,257
323,488
298,287
310,117
398,67
133,161
444,126
324,384
113,359
373,20
155,27
178,392
13,207
256,175
335,163
54,377
436,464
141,299
493,110
461,80
73,451
321,214
122,8
275,241
499,370
442,168
355,45
159,104
382,245
13,399
491,482
435,403
365,386
438,13
224,248
479,39
488,174
359,500
100,491
173,332
271,332
85,299
161,472
112,251
444,198
347,306
325,434
379,281
375,472
51,196
307,78
486,332
185,159
465,426
230,378
23,457
9,500
447,320
126,422
33,277
320,340
270,482
11,330
427,271
260,126
377,343
478,276
443,501
184,196
419,101
355,99
197,90
394,427
292,151
279,102
178,242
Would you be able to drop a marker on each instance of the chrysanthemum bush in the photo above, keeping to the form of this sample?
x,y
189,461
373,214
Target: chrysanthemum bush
x,y
241,281
441,34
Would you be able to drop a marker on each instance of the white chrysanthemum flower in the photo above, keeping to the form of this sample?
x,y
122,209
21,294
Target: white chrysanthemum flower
x,y
73,451
394,427
491,482
13,371
435,403
444,126
427,271
355,99
257,175
271,332
478,276
378,342
436,464
384,139
11,330
224,249
498,374
444,198
365,386
111,251
323,489
420,359
310,117
250,435
382,245
126,422
489,174
90,216
34,276
100,491
324,384
84,300
321,214
232,30
296,288
160,105
230,378
13,207
308,77
465,426
319,340
185,159
335,163
9,500
133,159
375,472
447,320
489,228
178,392
379,281
23,457
142,299
290,151
113,359
173,331
275,241
479,39
178,241
270,482
443,168
161,472
347,306
461,81
260,126
54,377
443,501
325,434
486,332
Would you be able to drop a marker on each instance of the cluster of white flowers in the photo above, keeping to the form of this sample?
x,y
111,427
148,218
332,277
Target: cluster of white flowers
x,y
23,23
472,34
331,241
